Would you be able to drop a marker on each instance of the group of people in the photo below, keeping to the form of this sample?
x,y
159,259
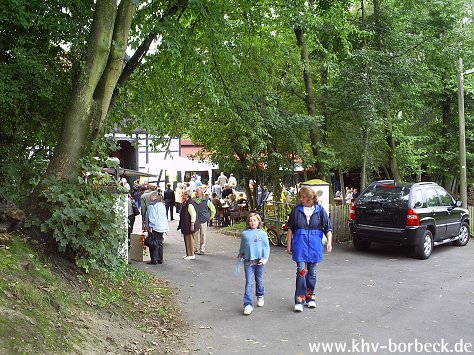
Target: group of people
x,y
350,196
308,223
195,212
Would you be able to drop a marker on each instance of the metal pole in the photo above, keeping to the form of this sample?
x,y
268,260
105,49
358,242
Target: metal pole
x,y
462,135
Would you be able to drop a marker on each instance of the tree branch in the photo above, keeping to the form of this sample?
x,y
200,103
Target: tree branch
x,y
133,63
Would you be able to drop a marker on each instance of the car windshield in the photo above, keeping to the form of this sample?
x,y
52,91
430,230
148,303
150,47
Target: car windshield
x,y
391,194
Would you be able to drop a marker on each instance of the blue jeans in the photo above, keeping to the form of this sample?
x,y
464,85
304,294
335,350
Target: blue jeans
x,y
251,272
305,282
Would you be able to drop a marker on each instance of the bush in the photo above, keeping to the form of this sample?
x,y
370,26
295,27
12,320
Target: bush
x,y
88,218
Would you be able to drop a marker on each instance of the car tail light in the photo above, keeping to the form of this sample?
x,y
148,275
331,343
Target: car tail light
x,y
413,220
352,213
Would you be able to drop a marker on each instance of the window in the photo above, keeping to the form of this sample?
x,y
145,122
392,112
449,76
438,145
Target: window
x,y
418,200
432,199
446,199
396,195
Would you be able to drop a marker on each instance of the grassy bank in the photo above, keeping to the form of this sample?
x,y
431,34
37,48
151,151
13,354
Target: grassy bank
x,y
48,306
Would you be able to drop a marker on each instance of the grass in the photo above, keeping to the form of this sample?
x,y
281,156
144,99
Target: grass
x,y
240,226
33,303
43,300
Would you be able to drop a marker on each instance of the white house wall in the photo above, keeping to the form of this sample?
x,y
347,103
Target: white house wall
x,y
171,162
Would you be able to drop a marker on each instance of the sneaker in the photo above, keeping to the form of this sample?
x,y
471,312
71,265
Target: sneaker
x,y
298,307
260,301
191,257
248,309
311,304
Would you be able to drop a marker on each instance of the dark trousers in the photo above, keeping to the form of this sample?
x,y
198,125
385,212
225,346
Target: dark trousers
x,y
169,207
156,251
131,222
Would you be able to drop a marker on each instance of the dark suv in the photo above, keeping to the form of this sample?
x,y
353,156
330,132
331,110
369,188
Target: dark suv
x,y
419,214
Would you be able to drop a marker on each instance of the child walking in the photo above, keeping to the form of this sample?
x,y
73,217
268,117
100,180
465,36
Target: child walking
x,y
255,251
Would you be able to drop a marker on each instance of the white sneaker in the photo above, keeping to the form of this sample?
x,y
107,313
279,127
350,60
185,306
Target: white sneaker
x,y
191,257
248,309
298,307
260,301
311,304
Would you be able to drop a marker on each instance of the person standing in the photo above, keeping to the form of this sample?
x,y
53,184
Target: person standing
x,y
169,201
255,251
188,224
179,197
157,225
145,202
136,192
306,226
232,182
222,179
205,211
217,189
132,213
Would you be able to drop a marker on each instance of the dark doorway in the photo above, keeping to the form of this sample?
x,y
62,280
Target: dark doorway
x,y
127,154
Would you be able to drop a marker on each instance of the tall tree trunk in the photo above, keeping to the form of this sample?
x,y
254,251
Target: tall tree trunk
x,y
91,90
79,105
392,160
309,97
365,155
446,115
343,185
108,81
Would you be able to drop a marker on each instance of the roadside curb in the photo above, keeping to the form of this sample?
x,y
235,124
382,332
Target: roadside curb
x,y
233,233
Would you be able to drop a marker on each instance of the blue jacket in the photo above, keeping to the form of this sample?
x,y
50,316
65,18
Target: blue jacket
x,y
156,217
254,245
307,239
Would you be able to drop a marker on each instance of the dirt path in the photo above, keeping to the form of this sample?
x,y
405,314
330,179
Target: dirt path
x,y
371,297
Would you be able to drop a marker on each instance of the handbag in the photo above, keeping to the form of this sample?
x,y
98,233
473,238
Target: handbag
x,y
136,211
151,241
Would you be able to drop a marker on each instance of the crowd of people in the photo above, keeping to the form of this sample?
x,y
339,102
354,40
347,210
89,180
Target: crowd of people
x,y
197,204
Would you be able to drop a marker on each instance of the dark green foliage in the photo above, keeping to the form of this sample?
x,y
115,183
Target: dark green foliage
x,y
88,219
34,81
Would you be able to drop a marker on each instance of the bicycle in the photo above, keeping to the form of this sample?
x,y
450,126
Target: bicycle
x,y
272,233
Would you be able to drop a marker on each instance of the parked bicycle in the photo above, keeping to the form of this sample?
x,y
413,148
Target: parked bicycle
x,y
277,236
272,233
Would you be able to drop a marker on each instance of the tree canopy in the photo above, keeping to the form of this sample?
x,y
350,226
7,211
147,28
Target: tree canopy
x,y
333,85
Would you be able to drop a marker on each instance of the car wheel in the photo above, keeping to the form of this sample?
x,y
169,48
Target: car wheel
x,y
359,244
272,236
463,235
425,248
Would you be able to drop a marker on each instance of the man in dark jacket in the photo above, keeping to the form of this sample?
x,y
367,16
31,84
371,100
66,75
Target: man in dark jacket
x,y
169,200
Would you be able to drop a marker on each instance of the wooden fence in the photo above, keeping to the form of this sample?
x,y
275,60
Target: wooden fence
x,y
340,222
276,213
